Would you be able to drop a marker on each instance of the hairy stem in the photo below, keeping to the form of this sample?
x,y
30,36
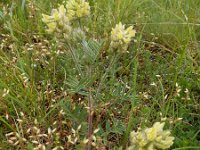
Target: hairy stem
x,y
90,117
131,119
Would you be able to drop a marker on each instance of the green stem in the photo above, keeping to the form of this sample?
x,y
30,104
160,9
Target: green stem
x,y
179,64
131,120
162,91
79,23
90,115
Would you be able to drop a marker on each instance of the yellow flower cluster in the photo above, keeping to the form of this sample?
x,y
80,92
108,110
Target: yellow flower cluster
x,y
77,9
121,37
151,138
57,21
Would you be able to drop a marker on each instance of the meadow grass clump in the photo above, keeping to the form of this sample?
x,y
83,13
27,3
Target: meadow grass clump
x,y
75,74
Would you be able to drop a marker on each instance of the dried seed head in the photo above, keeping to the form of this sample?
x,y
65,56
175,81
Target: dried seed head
x,y
55,122
73,131
49,131
10,142
96,130
17,134
164,119
79,127
7,116
29,130
22,114
35,142
179,119
93,144
158,76
54,130
16,143
94,138
42,146
24,140
85,141
11,133
35,128
19,120
35,122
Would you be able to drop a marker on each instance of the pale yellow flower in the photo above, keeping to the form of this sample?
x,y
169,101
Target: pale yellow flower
x,y
151,138
77,9
57,22
151,134
47,18
51,27
121,37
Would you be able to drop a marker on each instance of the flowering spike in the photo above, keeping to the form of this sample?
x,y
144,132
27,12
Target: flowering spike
x,y
121,37
77,9
151,138
57,22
